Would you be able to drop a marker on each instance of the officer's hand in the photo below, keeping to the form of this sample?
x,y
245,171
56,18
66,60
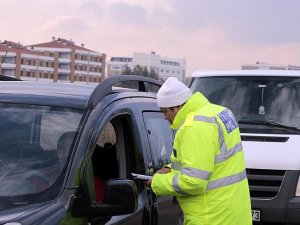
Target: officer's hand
x,y
148,183
164,170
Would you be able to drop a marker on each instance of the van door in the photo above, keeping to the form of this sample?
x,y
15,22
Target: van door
x,y
116,151
160,140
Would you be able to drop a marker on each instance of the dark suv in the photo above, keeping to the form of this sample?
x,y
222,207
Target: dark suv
x,y
67,152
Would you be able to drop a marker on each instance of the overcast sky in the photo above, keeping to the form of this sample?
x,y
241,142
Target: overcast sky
x,y
209,34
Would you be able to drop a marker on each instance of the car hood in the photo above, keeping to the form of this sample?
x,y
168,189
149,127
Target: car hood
x,y
265,151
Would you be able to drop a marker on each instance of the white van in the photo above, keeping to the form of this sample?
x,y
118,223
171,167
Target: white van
x,y
266,104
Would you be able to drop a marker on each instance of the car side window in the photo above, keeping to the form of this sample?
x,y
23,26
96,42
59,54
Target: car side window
x,y
160,138
115,154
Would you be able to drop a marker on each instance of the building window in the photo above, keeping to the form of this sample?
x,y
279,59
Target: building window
x,y
116,68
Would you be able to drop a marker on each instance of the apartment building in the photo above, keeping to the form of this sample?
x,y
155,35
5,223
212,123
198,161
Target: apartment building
x,y
19,62
59,60
71,62
267,66
163,66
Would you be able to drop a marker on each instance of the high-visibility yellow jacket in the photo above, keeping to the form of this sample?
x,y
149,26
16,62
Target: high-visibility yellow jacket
x,y
208,174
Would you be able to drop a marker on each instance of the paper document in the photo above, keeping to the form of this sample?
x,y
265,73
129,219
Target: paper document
x,y
141,177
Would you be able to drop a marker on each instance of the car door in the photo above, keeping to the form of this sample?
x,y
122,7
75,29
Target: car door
x,y
165,210
116,151
124,125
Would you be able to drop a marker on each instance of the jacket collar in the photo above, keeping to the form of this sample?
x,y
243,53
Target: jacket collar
x,y
195,102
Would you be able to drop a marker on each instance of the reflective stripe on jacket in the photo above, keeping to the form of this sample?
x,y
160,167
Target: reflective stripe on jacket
x,y
207,166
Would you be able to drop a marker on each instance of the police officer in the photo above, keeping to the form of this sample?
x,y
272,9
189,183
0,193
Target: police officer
x,y
207,171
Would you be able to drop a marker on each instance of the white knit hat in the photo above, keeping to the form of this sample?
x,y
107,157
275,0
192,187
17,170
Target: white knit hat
x,y
172,93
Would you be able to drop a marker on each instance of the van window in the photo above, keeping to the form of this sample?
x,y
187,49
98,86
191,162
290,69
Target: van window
x,y
160,138
105,162
255,98
34,149
116,154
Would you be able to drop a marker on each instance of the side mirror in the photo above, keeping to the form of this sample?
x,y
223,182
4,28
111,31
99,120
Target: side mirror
x,y
121,197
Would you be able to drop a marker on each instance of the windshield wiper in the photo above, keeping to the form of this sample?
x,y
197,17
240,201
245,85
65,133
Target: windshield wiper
x,y
269,123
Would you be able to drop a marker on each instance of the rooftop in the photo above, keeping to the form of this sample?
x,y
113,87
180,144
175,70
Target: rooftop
x,y
9,46
61,43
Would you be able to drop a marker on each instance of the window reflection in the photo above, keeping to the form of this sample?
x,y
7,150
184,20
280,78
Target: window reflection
x,y
160,138
31,165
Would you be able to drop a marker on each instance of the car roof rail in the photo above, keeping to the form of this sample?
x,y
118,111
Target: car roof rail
x,y
105,86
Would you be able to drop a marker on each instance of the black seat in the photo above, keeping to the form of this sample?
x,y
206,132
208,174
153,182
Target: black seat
x,y
105,162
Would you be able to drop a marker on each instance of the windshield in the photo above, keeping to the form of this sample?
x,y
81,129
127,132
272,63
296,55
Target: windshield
x,y
35,145
265,101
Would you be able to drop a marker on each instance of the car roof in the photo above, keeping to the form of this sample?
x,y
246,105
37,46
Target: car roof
x,y
57,94
40,88
67,94
210,73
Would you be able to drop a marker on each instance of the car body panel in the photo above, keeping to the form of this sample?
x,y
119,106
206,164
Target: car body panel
x,y
120,105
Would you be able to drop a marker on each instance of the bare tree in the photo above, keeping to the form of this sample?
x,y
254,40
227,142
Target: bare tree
x,y
141,71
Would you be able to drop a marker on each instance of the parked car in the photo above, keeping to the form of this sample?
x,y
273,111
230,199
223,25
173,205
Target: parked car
x,y
7,78
67,152
267,107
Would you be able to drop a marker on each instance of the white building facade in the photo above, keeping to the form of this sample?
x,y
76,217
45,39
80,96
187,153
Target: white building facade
x,y
163,66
